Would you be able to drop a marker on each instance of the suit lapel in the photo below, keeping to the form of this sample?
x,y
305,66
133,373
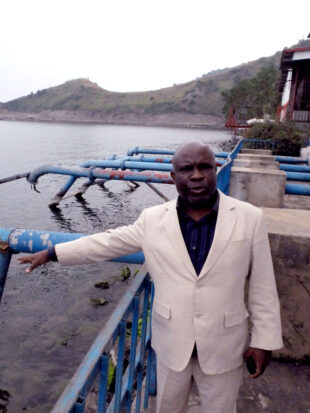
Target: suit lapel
x,y
173,232
225,224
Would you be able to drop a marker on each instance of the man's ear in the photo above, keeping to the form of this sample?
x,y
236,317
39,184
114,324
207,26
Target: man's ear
x,y
172,176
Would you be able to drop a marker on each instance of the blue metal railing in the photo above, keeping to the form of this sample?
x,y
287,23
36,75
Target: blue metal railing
x,y
134,307
223,175
259,144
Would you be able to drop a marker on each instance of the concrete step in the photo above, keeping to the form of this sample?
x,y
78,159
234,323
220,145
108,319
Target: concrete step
x,y
257,151
256,164
256,156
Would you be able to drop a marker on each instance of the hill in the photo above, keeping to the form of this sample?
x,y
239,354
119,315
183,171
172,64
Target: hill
x,y
198,102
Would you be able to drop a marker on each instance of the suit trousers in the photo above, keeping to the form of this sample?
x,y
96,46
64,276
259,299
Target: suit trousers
x,y
217,392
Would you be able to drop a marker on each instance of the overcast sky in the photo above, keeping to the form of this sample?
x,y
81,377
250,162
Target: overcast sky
x,y
135,45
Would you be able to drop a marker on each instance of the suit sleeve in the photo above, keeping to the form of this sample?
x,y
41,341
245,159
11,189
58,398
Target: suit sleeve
x,y
103,246
263,299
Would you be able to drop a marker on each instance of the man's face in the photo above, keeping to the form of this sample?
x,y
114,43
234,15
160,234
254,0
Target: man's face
x,y
194,174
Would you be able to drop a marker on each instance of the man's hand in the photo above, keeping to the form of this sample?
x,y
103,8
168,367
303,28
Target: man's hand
x,y
35,260
261,357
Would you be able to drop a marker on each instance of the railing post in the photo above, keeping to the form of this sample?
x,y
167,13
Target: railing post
x,y
5,257
153,375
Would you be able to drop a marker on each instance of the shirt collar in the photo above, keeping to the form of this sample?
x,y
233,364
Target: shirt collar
x,y
214,208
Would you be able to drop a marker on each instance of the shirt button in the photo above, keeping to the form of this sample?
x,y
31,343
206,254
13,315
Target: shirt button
x,y
194,247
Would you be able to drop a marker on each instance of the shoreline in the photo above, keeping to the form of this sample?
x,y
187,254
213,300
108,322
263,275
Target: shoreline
x,y
173,120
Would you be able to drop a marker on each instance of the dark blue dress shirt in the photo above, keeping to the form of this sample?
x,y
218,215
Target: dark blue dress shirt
x,y
198,235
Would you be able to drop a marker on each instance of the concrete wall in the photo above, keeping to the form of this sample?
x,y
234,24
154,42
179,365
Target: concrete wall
x,y
260,187
256,178
289,234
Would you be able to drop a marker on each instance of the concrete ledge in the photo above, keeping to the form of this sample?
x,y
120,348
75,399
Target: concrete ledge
x,y
260,187
255,157
289,235
248,163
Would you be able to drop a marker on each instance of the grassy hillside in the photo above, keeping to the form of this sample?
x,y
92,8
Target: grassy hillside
x,y
201,96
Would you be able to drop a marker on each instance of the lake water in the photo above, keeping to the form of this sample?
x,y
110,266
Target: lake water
x,y
47,321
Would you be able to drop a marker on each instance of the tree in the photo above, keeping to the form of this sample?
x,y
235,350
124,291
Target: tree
x,y
254,97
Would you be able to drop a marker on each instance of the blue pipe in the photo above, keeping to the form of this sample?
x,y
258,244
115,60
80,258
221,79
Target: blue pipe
x,y
122,162
291,159
297,189
297,176
30,241
160,159
127,164
294,168
137,150
106,174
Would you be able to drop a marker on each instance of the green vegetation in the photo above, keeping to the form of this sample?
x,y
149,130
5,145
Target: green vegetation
x,y
98,301
252,98
250,87
200,96
286,137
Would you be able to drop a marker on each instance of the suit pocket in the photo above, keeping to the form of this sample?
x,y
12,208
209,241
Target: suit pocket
x,y
235,317
162,309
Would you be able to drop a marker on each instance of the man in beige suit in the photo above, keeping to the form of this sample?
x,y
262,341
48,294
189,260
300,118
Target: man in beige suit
x,y
199,250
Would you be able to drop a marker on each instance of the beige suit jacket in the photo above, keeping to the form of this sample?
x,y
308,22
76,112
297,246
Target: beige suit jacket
x,y
208,309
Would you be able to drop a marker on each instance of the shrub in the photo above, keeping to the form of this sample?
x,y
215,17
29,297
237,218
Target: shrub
x,y
286,137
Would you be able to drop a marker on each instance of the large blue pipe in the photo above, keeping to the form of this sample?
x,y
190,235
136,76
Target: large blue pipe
x,y
31,241
294,168
297,176
297,189
291,159
137,150
121,162
127,164
105,174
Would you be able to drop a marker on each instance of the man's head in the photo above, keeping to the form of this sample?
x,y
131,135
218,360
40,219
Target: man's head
x,y
194,174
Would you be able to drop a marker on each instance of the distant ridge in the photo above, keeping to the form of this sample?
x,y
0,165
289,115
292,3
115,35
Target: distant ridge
x,y
197,103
